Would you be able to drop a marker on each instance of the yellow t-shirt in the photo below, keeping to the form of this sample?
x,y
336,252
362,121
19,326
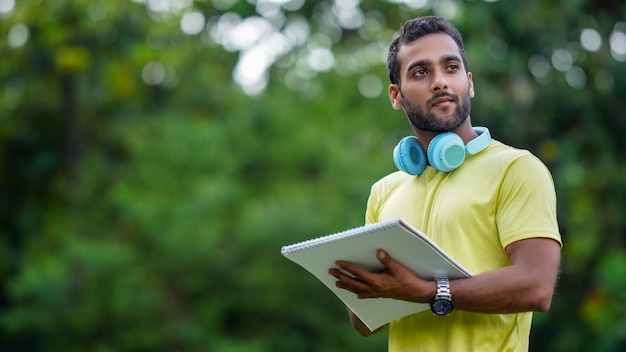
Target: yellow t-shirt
x,y
498,196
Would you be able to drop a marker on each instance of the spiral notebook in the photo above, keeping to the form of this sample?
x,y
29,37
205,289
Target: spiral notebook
x,y
402,241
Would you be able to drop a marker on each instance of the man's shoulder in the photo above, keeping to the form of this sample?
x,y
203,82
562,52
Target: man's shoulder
x,y
393,179
511,154
504,150
503,161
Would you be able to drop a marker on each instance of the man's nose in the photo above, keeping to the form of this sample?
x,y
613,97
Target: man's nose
x,y
439,82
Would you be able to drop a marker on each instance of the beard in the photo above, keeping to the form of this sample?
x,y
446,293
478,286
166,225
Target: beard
x,y
429,122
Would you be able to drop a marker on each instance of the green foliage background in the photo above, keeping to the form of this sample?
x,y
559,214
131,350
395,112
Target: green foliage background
x,y
149,217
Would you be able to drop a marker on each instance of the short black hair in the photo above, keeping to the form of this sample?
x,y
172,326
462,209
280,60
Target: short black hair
x,y
414,29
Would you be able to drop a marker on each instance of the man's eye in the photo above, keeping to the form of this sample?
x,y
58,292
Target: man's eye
x,y
420,73
453,67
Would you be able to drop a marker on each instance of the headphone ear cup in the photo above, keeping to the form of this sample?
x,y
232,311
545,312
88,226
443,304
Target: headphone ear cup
x,y
409,156
446,152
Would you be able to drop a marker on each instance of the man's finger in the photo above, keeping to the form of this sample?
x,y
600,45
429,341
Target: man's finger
x,y
349,283
387,261
354,270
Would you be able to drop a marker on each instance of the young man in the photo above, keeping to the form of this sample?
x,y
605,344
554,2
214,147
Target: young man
x,y
495,213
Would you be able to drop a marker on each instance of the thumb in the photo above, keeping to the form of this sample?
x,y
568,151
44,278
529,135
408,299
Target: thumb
x,y
383,257
390,264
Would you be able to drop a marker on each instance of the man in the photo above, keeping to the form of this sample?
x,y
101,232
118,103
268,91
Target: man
x,y
495,214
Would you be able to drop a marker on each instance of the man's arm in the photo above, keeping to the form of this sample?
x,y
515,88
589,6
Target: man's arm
x,y
527,284
359,326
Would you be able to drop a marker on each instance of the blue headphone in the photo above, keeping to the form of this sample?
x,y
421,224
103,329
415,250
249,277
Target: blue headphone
x,y
446,151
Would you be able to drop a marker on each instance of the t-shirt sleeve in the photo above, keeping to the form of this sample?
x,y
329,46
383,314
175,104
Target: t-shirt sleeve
x,y
527,202
371,212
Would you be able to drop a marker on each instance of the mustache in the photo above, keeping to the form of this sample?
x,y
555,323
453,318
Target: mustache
x,y
432,100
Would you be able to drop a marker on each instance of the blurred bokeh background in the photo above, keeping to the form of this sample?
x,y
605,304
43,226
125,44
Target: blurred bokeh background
x,y
156,154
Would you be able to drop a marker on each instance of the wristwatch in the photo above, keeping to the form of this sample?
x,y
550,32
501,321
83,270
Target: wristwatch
x,y
442,304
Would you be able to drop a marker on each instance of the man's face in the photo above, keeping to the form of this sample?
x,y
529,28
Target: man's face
x,y
435,90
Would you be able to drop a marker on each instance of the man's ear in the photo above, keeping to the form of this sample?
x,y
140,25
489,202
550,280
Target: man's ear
x,y
471,84
395,97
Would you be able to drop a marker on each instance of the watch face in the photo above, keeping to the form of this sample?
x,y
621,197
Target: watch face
x,y
442,307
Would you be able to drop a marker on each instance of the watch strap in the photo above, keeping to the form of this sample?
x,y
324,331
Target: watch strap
x,y
443,288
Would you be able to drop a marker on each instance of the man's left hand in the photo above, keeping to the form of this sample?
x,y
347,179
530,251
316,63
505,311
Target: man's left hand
x,y
395,281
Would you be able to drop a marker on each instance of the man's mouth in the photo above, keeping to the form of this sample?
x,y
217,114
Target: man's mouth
x,y
442,101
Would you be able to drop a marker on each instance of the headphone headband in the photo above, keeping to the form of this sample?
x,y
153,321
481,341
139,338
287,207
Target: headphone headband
x,y
479,143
